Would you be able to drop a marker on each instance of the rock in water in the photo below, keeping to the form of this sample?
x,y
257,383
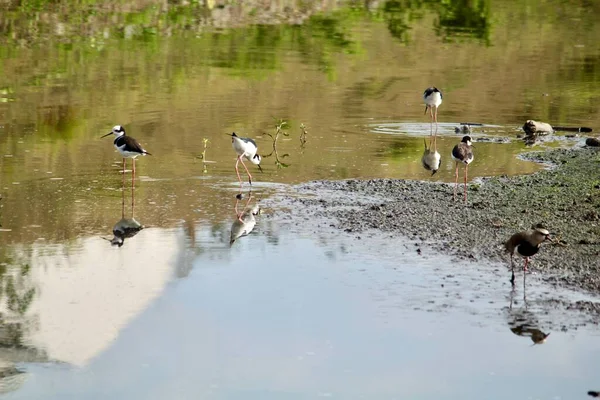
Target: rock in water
x,y
532,127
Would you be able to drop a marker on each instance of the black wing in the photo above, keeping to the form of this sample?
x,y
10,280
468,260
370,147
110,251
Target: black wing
x,y
132,145
429,91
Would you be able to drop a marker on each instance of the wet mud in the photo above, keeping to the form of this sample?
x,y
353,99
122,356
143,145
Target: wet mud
x,y
565,197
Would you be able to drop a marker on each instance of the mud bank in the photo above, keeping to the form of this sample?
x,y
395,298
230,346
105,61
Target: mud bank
x,y
565,197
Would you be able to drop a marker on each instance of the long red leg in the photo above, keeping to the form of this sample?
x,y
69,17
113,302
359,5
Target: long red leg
x,y
123,174
436,123
248,172
455,180
133,191
133,172
466,171
237,171
525,266
123,197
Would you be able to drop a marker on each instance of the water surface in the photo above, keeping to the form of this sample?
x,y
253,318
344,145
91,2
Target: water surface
x,y
283,312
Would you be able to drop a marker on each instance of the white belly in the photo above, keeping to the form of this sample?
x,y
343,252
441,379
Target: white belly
x,y
434,99
127,154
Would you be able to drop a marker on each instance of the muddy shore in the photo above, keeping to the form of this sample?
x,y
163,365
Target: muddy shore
x,y
565,197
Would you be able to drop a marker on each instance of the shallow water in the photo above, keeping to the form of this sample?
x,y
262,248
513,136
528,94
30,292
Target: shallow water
x,y
283,312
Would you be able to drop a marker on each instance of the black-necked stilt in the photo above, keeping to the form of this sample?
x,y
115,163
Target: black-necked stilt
x,y
127,146
432,98
245,147
462,153
525,244
431,159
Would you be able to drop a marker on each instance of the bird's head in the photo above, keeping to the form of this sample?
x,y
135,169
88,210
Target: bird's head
x,y
256,159
467,140
117,130
540,233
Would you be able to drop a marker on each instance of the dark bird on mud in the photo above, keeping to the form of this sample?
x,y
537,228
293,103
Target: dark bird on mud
x,y
462,153
127,146
525,244
431,159
245,148
432,98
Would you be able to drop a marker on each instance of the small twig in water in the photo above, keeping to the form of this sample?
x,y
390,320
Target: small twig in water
x,y
303,134
279,129
202,156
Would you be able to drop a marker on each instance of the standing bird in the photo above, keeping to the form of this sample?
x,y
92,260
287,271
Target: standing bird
x,y
127,146
462,153
432,98
245,147
525,244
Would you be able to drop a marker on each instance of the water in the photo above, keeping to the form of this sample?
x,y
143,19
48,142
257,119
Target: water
x,y
191,316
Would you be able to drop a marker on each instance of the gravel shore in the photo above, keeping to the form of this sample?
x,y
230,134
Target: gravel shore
x,y
565,197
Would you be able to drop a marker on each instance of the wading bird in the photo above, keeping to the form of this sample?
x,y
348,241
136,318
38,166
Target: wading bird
x,y
462,153
245,147
432,98
127,146
525,244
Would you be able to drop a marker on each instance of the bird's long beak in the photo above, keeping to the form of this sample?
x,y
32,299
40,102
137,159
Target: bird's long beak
x,y
109,133
260,168
434,171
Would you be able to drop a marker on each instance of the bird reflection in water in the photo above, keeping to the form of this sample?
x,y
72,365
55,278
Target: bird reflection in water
x,y
523,322
431,159
125,228
245,220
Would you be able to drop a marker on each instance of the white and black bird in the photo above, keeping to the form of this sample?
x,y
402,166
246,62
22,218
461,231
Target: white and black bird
x,y
525,244
245,148
127,146
462,153
433,99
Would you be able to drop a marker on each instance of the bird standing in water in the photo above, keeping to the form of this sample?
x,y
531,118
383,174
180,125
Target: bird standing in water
x,y
462,153
127,146
245,147
525,244
432,98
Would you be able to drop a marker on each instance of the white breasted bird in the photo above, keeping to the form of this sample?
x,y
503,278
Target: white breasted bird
x,y
127,146
433,99
245,148
462,153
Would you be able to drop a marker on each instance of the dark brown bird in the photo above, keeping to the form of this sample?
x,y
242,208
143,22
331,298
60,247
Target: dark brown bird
x,y
462,153
525,244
